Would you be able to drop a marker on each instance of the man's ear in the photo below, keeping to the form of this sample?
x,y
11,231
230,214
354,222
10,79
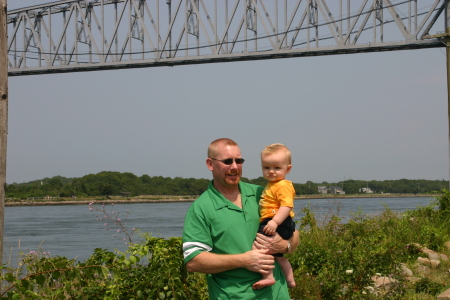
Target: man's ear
x,y
209,164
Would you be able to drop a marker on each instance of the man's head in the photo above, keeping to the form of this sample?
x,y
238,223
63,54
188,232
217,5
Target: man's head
x,y
225,162
275,162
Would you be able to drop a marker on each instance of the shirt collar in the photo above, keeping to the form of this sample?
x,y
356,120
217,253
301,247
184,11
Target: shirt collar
x,y
219,201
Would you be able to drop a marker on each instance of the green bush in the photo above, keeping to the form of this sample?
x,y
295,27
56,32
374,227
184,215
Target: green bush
x,y
444,201
425,285
152,269
337,261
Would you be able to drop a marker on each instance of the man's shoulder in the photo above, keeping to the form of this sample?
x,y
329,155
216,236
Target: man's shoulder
x,y
204,197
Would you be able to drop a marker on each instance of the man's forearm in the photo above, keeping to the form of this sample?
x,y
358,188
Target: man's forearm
x,y
211,263
294,241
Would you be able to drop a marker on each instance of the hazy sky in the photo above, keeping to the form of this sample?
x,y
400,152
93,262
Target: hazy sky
x,y
375,116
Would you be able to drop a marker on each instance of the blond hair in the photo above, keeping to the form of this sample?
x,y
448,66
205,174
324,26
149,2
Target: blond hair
x,y
212,149
275,148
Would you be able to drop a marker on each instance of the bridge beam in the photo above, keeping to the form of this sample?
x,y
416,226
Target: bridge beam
x,y
88,35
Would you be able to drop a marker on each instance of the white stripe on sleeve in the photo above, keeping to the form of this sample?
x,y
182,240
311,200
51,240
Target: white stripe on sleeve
x,y
190,247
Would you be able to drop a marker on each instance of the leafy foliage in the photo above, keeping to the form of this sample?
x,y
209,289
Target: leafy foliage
x,y
152,269
425,285
337,261
117,183
106,184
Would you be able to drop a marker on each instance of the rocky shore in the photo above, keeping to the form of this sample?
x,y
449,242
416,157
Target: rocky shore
x,y
162,199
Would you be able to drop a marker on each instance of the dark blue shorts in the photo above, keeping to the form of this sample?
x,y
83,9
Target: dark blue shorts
x,y
285,229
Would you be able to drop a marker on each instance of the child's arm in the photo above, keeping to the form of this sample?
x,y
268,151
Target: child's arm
x,y
279,217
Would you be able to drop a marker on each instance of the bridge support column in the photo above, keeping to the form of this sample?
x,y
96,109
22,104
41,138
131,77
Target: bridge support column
x,y
447,51
3,114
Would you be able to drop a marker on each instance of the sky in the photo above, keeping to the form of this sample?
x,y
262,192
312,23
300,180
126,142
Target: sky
x,y
374,116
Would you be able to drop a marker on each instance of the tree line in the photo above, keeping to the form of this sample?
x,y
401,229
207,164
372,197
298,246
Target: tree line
x,y
127,184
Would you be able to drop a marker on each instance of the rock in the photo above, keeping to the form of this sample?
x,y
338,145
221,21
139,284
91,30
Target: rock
x,y
429,262
430,253
383,282
415,245
423,270
447,245
434,255
423,260
435,263
444,296
412,279
405,271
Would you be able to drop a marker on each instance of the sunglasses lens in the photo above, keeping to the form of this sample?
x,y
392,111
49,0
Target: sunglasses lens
x,y
228,161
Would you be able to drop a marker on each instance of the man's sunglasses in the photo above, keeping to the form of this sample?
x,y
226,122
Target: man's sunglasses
x,y
229,161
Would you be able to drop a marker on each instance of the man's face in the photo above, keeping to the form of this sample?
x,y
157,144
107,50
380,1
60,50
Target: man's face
x,y
225,175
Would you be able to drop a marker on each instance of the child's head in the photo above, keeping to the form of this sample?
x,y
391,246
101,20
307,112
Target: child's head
x,y
275,162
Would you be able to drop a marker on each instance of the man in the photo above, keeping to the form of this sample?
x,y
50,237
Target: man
x,y
220,228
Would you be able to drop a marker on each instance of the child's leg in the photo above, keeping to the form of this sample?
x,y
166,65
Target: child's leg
x,y
266,280
287,270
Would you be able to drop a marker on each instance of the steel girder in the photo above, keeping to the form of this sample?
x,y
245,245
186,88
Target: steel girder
x,y
88,35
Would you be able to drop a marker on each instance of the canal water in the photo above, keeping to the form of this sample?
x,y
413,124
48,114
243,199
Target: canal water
x,y
74,231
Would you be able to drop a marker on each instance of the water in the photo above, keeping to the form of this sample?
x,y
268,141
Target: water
x,y
73,231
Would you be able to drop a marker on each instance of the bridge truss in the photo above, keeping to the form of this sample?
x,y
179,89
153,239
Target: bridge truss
x,y
88,35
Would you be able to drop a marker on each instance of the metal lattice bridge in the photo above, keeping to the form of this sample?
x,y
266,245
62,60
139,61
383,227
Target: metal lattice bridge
x,y
88,35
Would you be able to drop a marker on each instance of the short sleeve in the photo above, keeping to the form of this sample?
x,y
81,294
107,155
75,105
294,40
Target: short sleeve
x,y
196,235
285,195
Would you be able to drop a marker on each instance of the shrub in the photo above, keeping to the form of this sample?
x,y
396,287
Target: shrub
x,y
337,261
152,269
444,201
425,285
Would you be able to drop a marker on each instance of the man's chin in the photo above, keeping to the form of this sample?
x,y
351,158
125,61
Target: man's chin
x,y
233,181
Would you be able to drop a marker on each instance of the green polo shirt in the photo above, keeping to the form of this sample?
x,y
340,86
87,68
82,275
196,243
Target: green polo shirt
x,y
216,225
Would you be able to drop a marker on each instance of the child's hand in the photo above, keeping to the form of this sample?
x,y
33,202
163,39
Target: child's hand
x,y
270,228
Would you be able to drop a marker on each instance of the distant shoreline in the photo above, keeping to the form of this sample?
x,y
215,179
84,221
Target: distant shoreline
x,y
170,199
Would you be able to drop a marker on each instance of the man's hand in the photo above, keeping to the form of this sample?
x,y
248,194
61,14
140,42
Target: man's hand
x,y
274,243
258,261
270,227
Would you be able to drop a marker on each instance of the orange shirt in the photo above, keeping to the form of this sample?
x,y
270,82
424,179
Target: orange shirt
x,y
275,195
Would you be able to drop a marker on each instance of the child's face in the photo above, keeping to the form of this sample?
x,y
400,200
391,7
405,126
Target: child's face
x,y
275,166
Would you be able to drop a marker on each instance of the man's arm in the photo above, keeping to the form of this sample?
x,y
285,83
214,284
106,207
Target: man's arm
x,y
211,263
276,244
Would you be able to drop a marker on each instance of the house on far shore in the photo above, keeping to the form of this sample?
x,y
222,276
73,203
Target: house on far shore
x,y
322,189
366,190
336,190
